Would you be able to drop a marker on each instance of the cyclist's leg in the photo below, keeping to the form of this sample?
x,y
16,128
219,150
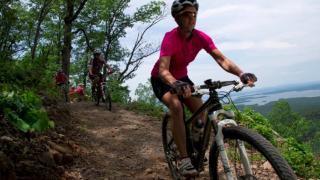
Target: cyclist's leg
x,y
162,91
193,104
93,88
98,81
179,134
178,128
94,92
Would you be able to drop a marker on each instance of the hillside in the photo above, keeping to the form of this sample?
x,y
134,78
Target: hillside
x,y
308,107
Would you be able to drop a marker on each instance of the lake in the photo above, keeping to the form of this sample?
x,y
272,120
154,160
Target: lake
x,y
265,98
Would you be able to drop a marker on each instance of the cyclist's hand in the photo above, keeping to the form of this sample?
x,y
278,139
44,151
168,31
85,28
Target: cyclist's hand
x,y
248,78
110,71
92,76
181,88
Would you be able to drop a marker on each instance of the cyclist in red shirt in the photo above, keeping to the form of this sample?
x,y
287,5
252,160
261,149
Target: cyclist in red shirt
x,y
180,47
77,92
61,78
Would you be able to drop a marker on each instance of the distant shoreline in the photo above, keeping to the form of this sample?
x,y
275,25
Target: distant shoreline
x,y
264,96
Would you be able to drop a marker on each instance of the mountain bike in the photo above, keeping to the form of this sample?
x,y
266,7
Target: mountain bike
x,y
102,93
235,153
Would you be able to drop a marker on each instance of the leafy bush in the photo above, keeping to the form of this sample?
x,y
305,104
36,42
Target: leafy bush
x,y
146,108
301,159
299,155
23,111
256,121
119,93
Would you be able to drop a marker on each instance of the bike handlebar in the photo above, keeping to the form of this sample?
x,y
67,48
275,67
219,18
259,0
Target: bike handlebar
x,y
213,85
209,84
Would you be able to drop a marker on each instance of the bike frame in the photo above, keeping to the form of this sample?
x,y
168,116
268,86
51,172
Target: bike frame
x,y
100,86
213,109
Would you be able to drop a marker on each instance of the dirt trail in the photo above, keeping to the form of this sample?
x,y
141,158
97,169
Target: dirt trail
x,y
116,145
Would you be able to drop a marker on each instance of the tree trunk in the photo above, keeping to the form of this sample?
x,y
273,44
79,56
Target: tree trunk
x,y
43,12
67,40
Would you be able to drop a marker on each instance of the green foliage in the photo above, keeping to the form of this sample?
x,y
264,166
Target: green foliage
x,y
298,154
287,122
146,101
147,12
23,110
301,138
256,121
153,110
119,93
19,74
8,24
301,159
145,93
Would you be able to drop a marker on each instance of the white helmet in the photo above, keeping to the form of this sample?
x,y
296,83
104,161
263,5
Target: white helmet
x,y
178,5
97,51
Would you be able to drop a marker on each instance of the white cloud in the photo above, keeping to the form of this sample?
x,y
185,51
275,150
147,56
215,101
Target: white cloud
x,y
227,9
262,45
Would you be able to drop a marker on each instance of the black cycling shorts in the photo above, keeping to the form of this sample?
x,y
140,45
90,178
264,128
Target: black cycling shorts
x,y
160,88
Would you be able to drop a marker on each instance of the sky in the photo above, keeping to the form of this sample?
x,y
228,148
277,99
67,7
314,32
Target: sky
x,y
276,40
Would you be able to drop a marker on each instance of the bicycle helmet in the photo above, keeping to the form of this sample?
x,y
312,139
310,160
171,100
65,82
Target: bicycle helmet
x,y
96,52
178,5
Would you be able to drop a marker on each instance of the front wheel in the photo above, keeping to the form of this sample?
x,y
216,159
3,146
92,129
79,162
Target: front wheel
x,y
107,98
265,160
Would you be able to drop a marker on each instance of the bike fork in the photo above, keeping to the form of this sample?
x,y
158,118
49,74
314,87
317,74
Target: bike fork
x,y
219,140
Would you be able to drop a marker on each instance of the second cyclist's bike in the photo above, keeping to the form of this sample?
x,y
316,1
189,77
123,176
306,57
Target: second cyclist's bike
x,y
235,153
102,94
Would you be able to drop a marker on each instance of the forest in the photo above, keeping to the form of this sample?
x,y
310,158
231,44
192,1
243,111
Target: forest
x,y
41,37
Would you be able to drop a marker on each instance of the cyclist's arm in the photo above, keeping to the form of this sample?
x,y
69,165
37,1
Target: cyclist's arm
x,y
167,77
164,72
90,67
226,63
107,66
90,70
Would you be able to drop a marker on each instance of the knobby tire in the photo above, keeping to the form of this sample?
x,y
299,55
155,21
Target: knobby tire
x,y
168,147
107,98
260,144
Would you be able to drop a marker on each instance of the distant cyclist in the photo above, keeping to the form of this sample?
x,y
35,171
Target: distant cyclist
x,y
179,47
77,93
61,81
60,78
96,64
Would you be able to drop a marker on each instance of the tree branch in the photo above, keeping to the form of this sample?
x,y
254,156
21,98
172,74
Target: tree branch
x,y
78,10
86,37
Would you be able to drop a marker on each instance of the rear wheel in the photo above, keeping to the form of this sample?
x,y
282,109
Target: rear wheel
x,y
266,162
170,148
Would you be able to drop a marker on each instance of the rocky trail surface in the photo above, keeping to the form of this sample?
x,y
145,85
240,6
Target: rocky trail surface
x,y
88,142
116,145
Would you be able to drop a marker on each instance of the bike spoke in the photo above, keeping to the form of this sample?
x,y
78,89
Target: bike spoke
x,y
261,167
170,149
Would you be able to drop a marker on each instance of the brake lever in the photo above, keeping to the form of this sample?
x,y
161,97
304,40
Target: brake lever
x,y
239,87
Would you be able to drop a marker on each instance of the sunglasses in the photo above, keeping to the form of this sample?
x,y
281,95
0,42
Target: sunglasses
x,y
188,14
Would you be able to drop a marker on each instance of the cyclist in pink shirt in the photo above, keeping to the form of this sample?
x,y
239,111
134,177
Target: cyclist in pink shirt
x,y
179,47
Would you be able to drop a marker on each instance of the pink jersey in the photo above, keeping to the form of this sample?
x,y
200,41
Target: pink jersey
x,y
181,51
